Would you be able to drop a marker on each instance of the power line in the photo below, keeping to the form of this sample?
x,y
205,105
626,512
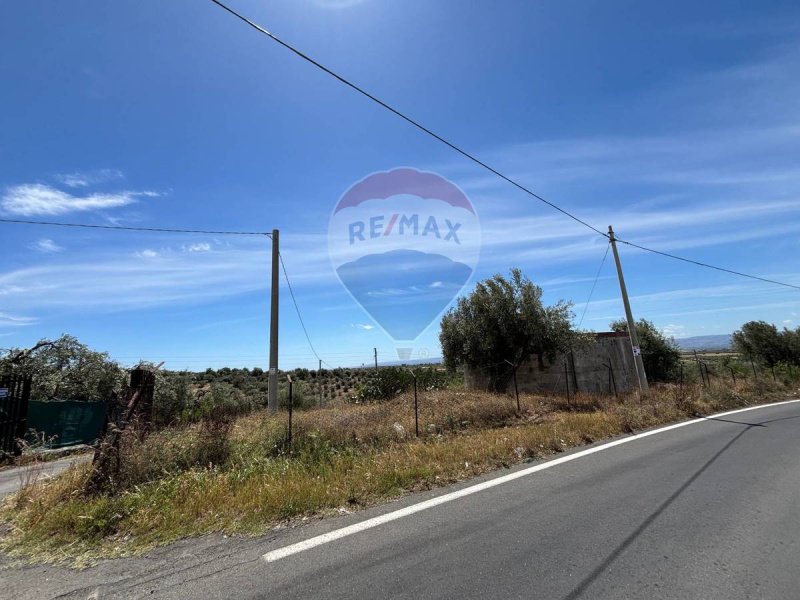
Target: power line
x,y
591,292
297,308
463,152
403,116
708,266
124,228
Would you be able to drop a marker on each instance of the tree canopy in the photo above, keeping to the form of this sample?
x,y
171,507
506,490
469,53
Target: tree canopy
x,y
763,342
65,369
660,353
505,321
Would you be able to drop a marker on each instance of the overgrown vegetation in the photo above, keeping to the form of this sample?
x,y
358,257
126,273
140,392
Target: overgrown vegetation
x,y
763,342
504,322
239,475
660,354
388,382
65,369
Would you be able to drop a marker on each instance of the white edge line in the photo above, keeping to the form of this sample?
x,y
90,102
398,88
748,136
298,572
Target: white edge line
x,y
479,487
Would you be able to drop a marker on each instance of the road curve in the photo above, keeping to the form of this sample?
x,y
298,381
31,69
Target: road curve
x,y
710,510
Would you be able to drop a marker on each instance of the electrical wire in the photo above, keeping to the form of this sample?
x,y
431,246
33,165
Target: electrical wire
x,y
708,266
596,278
403,116
296,307
124,228
463,152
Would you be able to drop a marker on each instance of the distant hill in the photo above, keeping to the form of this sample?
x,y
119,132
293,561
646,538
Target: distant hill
x,y
705,342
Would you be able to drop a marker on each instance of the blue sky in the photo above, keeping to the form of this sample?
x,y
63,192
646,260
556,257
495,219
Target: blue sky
x,y
678,123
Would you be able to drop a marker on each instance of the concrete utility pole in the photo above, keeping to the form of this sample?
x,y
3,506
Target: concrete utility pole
x,y
272,399
637,352
319,381
375,350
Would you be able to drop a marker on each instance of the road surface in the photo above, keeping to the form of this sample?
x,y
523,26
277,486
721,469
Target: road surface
x,y
709,510
12,479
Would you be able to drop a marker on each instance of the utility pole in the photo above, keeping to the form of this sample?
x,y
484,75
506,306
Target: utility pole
x,y
319,381
272,399
637,351
375,350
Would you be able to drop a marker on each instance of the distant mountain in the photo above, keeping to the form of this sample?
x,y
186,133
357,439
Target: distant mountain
x,y
706,342
434,360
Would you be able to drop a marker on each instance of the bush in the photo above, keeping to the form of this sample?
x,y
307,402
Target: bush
x,y
660,353
388,382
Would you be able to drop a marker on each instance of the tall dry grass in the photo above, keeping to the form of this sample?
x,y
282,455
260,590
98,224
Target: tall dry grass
x,y
341,459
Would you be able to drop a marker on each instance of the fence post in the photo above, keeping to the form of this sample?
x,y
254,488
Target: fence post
x,y
774,378
566,381
514,375
699,367
612,381
319,381
291,403
752,364
144,379
416,405
733,375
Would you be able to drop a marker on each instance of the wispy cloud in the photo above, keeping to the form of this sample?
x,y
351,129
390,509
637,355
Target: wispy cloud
x,y
198,247
8,320
47,246
37,199
121,282
82,179
364,326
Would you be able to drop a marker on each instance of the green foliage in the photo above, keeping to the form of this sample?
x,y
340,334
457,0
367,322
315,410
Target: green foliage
x,y
501,321
388,382
65,369
660,353
762,342
301,396
171,398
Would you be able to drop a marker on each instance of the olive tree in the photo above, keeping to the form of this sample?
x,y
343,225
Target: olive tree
x,y
660,353
65,369
505,321
763,342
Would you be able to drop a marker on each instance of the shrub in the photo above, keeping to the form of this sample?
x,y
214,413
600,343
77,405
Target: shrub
x,y
388,382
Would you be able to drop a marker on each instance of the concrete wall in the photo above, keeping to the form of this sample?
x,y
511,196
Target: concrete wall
x,y
586,369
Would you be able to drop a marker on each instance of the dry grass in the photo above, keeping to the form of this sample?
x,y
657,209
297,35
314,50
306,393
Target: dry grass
x,y
342,458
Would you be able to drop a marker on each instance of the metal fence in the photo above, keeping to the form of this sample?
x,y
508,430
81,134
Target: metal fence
x,y
15,393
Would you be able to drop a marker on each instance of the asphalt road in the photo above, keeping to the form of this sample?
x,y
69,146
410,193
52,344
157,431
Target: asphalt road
x,y
12,479
710,510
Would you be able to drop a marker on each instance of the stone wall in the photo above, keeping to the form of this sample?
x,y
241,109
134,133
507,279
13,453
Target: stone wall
x,y
585,370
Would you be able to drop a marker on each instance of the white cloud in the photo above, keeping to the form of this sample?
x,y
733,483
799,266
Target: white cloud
x,y
47,246
674,330
80,179
198,247
36,199
7,320
127,282
364,326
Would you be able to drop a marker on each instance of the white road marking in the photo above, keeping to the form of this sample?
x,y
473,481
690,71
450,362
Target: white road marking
x,y
479,487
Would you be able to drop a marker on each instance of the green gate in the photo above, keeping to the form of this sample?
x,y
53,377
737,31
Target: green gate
x,y
66,422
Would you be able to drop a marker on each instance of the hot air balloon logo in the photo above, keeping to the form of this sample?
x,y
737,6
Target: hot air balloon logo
x,y
404,243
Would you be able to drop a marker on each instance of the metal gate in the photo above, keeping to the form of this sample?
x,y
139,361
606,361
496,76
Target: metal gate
x,y
15,391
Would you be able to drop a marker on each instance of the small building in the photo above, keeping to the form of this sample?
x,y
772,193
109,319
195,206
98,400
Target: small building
x,y
596,368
